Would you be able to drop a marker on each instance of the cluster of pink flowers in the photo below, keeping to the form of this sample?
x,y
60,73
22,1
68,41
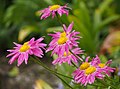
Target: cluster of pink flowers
x,y
65,46
62,43
89,71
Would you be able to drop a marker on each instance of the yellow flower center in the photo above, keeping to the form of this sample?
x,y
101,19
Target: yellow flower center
x,y
90,70
63,34
62,38
84,66
101,65
24,47
54,7
65,54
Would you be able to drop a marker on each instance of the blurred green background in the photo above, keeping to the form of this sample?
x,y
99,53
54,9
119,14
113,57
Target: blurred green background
x,y
98,22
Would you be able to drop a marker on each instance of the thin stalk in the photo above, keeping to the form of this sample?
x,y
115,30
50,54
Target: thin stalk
x,y
43,65
75,55
60,21
74,64
55,73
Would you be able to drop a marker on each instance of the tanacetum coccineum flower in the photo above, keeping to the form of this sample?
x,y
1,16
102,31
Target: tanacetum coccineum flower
x,y
22,52
53,10
87,72
63,41
68,57
104,67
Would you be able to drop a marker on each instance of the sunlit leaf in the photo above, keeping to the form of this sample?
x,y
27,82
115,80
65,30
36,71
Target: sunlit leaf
x,y
53,29
97,19
25,31
40,84
13,72
104,5
108,21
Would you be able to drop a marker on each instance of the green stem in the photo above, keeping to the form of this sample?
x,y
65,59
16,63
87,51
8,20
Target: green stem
x,y
75,55
59,20
53,72
73,64
43,65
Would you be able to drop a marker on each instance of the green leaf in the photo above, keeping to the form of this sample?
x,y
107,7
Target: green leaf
x,y
25,31
52,29
87,41
108,21
78,25
104,5
97,20
13,72
85,15
103,59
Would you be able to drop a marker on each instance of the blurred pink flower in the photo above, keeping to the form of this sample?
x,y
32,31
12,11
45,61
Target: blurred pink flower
x,y
53,10
69,57
64,41
22,52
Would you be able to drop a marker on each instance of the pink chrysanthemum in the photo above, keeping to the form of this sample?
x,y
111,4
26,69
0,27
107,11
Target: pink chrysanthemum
x,y
63,41
86,73
53,10
104,67
69,57
22,52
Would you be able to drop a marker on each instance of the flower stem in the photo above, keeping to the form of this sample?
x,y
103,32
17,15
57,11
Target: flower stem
x,y
43,65
37,60
75,55
60,21
74,64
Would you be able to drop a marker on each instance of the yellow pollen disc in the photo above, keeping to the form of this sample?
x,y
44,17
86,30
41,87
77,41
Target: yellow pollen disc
x,y
54,7
101,65
62,40
65,54
24,47
90,70
63,34
84,66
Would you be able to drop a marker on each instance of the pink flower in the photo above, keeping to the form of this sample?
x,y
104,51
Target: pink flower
x,y
87,73
53,10
68,57
64,41
104,67
22,52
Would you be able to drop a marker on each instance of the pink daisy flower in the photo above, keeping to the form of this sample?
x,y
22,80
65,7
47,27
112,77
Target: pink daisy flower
x,y
69,57
64,41
53,10
86,73
104,67
22,52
